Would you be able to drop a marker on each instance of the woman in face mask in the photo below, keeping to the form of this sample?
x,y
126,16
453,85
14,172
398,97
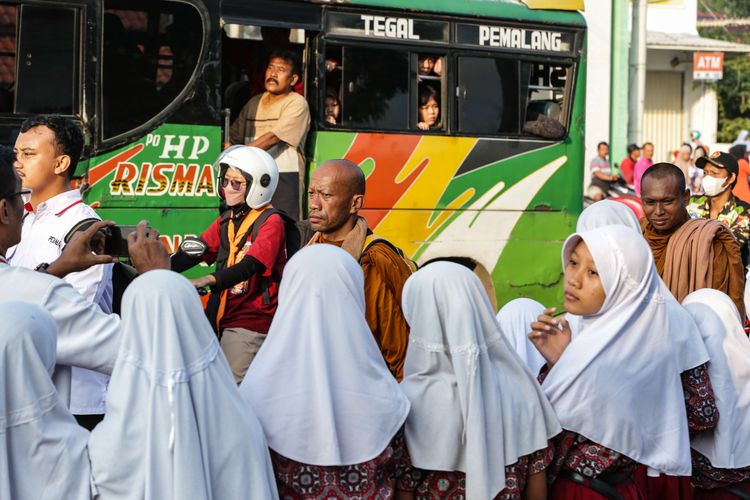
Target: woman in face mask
x,y
249,260
720,176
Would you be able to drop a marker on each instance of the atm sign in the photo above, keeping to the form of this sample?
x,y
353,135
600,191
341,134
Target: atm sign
x,y
708,65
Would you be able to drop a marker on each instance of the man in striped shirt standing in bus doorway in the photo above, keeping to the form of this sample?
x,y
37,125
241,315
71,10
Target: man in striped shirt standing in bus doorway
x,y
47,153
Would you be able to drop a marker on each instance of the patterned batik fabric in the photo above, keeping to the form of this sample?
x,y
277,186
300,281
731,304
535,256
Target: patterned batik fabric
x,y
374,479
708,477
442,485
735,215
700,402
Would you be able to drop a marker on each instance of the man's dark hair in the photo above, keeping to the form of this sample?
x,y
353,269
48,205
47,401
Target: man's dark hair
x,y
738,151
632,147
288,56
68,136
688,145
702,148
603,143
8,179
647,144
664,170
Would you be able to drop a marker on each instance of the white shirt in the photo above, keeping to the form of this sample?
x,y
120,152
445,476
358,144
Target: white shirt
x,y
42,240
86,337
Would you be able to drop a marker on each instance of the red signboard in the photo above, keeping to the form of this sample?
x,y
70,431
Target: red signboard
x,y
708,65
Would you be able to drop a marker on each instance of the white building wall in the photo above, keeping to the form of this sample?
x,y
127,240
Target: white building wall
x,y
672,16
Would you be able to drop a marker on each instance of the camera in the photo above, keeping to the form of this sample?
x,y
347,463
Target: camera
x,y
115,237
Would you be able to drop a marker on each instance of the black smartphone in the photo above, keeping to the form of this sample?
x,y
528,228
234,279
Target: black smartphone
x,y
116,240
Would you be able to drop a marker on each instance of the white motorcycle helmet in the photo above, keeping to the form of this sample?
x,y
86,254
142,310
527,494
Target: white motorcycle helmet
x,y
257,166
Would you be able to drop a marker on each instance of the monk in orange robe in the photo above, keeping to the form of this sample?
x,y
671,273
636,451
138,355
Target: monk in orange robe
x,y
689,253
335,196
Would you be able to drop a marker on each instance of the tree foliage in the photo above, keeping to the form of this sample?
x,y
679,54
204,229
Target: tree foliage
x,y
733,90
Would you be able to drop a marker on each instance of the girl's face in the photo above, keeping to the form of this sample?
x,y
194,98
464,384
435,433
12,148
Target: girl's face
x,y
584,293
332,108
426,65
429,112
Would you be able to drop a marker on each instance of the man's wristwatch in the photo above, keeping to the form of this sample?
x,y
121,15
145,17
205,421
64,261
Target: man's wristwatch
x,y
42,268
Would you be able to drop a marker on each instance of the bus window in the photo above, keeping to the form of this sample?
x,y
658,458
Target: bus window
x,y
48,52
430,92
487,95
151,49
7,57
375,88
544,91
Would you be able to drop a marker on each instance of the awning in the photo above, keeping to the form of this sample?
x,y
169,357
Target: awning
x,y
694,43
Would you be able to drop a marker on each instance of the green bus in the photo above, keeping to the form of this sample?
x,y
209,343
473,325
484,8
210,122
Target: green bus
x,y
494,183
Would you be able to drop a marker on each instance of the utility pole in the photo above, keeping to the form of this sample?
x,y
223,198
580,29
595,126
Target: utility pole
x,y
637,89
618,92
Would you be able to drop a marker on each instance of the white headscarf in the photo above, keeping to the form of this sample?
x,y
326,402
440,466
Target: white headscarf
x,y
728,446
43,449
319,385
176,426
618,382
689,349
475,407
607,213
515,320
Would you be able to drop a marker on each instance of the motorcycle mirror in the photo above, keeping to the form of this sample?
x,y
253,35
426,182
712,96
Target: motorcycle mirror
x,y
193,247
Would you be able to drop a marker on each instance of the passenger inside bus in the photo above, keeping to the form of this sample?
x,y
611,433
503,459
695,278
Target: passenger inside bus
x,y
332,108
429,108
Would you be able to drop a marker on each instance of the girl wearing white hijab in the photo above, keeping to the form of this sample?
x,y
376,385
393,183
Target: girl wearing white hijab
x,y
608,383
514,319
692,355
479,423
330,409
175,427
721,460
43,449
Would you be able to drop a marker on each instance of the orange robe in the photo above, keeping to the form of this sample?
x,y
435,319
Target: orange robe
x,y
726,272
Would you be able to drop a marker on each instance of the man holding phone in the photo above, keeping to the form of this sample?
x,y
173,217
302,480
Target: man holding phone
x,y
47,152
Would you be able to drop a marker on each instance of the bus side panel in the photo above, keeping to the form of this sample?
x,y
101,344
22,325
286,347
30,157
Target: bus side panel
x,y
448,197
169,167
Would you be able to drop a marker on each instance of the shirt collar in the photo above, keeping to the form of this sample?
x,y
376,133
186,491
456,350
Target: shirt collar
x,y
59,202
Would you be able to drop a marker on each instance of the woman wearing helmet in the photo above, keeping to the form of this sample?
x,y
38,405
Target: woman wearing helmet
x,y
249,260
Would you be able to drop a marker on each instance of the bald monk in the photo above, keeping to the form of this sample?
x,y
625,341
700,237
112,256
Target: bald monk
x,y
336,195
682,246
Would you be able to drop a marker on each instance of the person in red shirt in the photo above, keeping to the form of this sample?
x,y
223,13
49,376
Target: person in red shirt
x,y
628,164
741,189
249,261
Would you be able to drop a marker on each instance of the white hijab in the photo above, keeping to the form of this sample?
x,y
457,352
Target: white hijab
x,y
688,347
728,446
176,426
515,320
607,213
475,407
319,385
43,449
618,382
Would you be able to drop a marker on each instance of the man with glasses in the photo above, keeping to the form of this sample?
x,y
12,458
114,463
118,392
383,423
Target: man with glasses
x,y
47,152
248,244
87,337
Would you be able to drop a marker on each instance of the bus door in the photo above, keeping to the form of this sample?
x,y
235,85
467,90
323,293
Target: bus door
x,y
42,62
252,31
